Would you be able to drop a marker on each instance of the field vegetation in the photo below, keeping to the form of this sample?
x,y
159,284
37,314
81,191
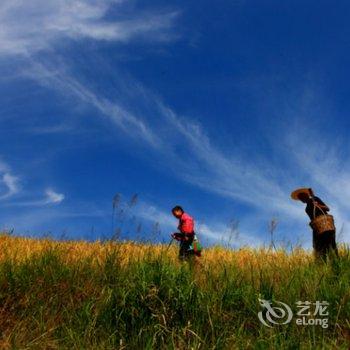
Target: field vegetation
x,y
124,295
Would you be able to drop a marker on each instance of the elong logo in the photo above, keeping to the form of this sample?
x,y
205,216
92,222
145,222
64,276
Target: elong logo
x,y
282,314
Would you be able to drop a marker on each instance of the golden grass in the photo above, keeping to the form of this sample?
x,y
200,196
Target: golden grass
x,y
18,249
50,305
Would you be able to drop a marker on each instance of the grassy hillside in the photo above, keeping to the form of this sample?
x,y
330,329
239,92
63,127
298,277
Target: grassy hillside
x,y
76,295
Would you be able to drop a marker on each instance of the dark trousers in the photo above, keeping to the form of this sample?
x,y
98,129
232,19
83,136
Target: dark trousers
x,y
324,243
185,252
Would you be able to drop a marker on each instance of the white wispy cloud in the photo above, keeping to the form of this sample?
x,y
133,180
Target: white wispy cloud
x,y
65,83
10,186
326,169
229,175
220,233
9,183
150,212
53,197
50,197
31,26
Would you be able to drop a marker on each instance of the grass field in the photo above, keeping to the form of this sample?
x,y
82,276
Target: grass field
x,y
110,295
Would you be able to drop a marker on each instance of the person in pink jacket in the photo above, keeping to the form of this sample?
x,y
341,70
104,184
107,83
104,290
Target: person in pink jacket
x,y
186,234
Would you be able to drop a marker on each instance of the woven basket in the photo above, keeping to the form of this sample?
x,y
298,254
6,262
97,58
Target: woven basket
x,y
323,223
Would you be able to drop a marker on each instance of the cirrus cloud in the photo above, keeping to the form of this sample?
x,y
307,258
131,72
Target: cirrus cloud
x,y
53,197
31,26
9,183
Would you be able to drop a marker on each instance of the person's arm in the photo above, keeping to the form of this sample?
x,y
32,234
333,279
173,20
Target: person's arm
x,y
178,236
321,204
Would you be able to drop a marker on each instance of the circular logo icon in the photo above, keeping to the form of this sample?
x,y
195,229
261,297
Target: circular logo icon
x,y
273,315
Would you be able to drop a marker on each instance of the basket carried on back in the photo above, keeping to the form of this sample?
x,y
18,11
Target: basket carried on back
x,y
322,223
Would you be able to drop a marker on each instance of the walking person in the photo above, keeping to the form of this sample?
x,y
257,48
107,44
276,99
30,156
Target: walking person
x,y
322,224
189,246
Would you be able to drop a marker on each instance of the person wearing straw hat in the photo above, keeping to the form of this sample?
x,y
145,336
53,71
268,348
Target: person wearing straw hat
x,y
322,223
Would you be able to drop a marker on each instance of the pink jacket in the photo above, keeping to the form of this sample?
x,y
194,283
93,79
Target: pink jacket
x,y
186,224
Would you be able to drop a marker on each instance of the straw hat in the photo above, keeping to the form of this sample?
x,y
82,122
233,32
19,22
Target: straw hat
x,y
296,193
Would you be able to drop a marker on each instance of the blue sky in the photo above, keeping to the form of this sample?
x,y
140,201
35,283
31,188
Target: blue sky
x,y
221,107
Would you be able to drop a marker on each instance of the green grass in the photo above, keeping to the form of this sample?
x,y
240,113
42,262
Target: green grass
x,y
152,303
